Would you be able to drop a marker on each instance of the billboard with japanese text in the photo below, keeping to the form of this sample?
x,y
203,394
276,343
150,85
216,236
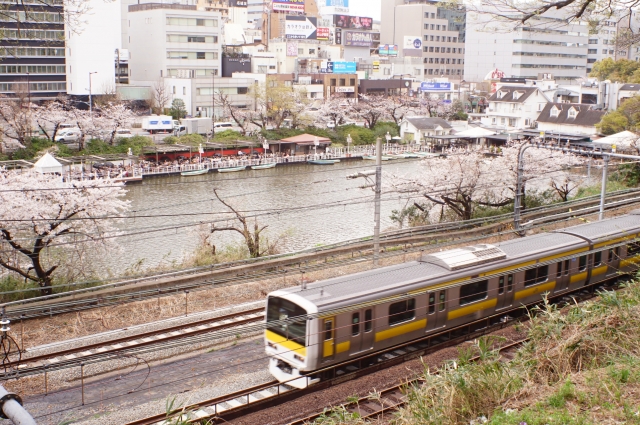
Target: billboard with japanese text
x,y
388,50
323,33
358,39
340,3
301,27
353,22
426,86
288,5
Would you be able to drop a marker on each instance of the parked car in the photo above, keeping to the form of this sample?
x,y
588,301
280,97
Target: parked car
x,y
69,135
123,133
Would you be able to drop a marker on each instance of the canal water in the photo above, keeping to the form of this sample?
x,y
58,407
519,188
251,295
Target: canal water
x,y
310,205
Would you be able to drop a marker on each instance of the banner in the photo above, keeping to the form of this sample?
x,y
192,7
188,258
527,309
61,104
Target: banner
x,y
358,39
301,27
342,67
388,50
323,33
353,22
411,42
288,5
292,48
340,3
424,86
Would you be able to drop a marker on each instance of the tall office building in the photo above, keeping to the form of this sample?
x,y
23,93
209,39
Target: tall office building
x,y
603,43
32,50
427,30
545,46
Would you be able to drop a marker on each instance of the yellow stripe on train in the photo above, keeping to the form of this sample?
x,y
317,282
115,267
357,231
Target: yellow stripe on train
x,y
633,261
343,346
286,343
537,289
401,330
464,311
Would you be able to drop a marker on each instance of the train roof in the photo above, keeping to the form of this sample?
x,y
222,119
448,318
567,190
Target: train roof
x,y
604,229
440,267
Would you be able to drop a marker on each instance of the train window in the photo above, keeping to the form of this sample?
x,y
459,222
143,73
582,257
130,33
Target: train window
x,y
501,285
633,249
328,330
367,320
582,263
559,269
566,267
509,283
597,258
473,292
610,258
355,324
442,300
286,319
402,311
537,275
432,303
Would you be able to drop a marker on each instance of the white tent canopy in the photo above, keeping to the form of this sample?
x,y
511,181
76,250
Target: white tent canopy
x,y
476,132
623,139
48,164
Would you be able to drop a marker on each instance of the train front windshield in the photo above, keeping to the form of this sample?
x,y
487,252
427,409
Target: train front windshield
x,y
279,310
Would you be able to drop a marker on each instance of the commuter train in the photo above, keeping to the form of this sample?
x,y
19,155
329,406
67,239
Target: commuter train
x,y
335,320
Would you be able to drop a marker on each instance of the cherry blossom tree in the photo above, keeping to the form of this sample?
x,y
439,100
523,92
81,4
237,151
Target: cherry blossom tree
x,y
51,115
110,119
459,183
370,108
399,107
334,111
242,117
15,119
44,222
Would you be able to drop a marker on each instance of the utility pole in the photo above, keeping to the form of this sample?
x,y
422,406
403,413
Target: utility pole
x,y
90,95
603,190
518,199
378,190
213,104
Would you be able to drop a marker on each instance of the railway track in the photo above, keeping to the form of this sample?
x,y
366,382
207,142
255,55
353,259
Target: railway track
x,y
254,399
393,398
442,234
107,350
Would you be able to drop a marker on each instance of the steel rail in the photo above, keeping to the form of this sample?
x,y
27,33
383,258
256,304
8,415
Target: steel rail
x,y
72,357
28,312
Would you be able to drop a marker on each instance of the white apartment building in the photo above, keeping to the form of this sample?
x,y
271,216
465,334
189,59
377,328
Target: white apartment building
x,y
172,40
302,55
545,45
602,42
441,32
90,53
514,107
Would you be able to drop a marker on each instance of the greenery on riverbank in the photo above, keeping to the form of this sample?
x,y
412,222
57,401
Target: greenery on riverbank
x,y
580,366
35,146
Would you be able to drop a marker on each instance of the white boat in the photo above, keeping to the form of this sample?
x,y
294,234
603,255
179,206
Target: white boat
x,y
194,172
232,169
263,166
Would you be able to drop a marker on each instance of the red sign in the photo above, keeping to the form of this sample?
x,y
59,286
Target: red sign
x,y
323,33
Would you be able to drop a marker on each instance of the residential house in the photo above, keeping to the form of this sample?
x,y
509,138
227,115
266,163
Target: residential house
x,y
514,107
415,129
569,118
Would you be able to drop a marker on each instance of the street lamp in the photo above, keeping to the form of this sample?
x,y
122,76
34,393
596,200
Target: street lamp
x,y
349,141
90,95
388,137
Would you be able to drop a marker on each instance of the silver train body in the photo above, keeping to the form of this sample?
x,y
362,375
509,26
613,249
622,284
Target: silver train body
x,y
346,317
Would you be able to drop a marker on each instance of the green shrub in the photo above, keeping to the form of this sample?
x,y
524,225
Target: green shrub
x,y
228,135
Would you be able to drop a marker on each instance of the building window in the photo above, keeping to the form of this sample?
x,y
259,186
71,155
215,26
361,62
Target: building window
x,y
554,111
512,122
262,69
352,82
184,91
437,50
437,27
572,112
174,90
592,51
433,16
431,48
312,51
593,41
343,82
437,38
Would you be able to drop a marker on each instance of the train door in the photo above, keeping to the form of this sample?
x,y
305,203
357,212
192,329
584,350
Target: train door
x,y
361,331
441,308
329,337
505,292
431,310
613,261
562,275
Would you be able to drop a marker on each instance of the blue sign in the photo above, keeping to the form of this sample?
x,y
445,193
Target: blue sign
x,y
338,3
424,86
342,67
